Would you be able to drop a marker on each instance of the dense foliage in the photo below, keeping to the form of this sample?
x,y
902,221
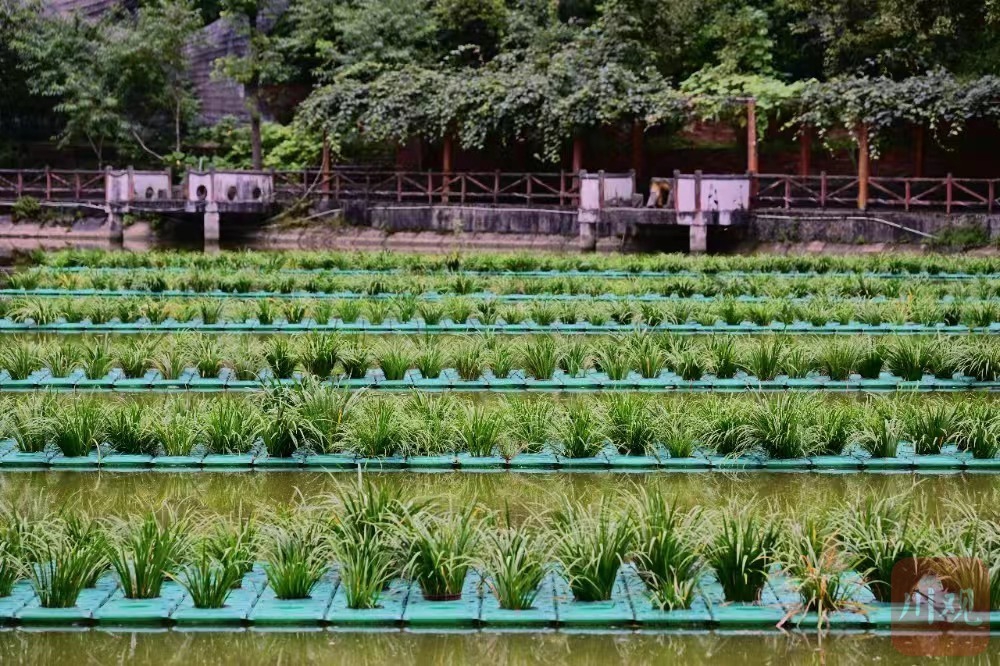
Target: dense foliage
x,y
498,72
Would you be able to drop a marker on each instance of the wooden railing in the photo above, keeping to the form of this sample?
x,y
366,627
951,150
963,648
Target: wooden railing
x,y
945,194
52,185
432,187
562,189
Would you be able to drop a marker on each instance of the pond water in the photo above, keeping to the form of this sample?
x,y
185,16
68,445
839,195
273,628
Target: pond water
x,y
228,492
400,648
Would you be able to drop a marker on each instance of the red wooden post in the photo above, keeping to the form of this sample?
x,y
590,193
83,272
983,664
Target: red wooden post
x,y
752,158
430,187
788,191
562,187
805,150
399,187
76,186
947,194
462,181
637,147
863,167
577,165
48,184
446,167
527,186
496,186
822,189
906,205
577,154
325,166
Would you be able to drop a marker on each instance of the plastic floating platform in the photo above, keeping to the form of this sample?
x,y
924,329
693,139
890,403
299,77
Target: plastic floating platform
x,y
517,380
253,604
390,327
608,460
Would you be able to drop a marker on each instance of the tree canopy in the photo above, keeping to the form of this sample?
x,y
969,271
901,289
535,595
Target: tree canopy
x,y
496,72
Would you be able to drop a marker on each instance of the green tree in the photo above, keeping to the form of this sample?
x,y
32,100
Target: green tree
x,y
261,63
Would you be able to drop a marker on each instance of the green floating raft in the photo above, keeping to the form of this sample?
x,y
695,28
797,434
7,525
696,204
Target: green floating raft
x,y
449,380
610,460
391,327
402,604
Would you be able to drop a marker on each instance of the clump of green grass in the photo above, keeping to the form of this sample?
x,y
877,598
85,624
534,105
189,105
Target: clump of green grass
x,y
516,560
812,555
930,425
440,551
209,581
178,430
907,357
590,546
30,423
741,552
480,430
80,427
468,361
631,424
367,565
580,432
378,430
530,423
778,426
296,555
230,426
59,567
147,551
127,429
979,430
394,359
666,552
878,534
540,357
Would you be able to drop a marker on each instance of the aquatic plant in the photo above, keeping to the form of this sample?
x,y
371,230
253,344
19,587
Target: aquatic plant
x,y
147,551
440,551
741,552
208,581
515,561
590,545
296,557
666,552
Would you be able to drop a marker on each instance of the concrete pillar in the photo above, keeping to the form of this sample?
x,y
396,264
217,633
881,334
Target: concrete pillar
x,y
587,221
211,226
116,229
698,238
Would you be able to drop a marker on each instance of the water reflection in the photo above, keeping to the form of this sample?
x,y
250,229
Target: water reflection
x,y
228,492
445,649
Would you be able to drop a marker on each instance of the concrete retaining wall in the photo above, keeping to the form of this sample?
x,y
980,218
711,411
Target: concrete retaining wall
x,y
783,226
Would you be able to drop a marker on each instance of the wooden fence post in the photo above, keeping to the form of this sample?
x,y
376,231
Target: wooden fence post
x,y
822,189
48,184
948,192
805,150
863,167
752,157
496,186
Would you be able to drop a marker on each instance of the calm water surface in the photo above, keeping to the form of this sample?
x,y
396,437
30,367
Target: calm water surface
x,y
227,492
398,648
